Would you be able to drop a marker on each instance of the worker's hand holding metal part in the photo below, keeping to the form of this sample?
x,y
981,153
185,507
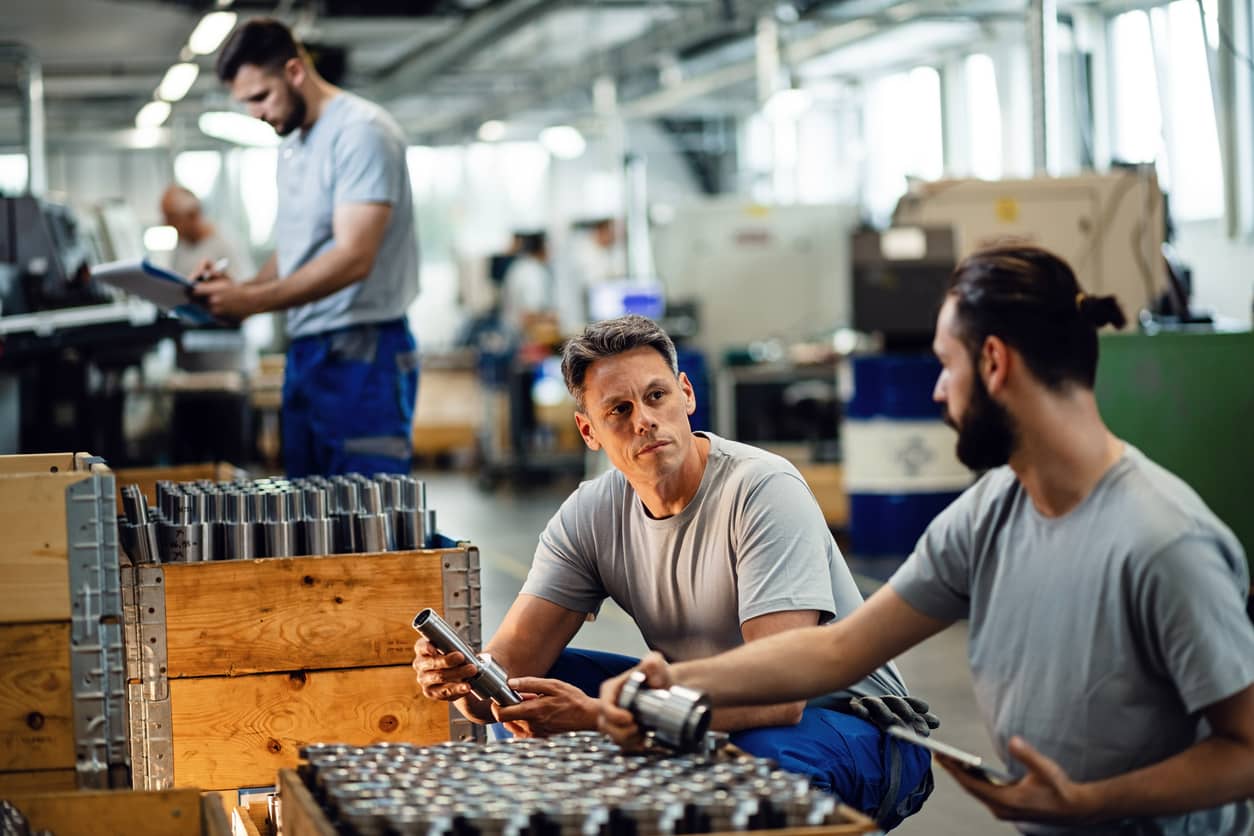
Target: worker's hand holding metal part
x,y
448,668
549,707
889,710
620,723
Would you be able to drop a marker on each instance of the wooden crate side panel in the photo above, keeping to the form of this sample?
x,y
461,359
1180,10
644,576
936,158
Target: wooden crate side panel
x,y
300,813
240,617
34,572
36,700
147,477
37,463
93,812
41,780
239,731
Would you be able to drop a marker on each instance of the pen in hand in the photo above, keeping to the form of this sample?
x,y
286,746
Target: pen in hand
x,y
218,267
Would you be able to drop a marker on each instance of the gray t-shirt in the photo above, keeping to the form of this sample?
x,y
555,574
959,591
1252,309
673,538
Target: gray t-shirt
x,y
354,153
751,542
1100,635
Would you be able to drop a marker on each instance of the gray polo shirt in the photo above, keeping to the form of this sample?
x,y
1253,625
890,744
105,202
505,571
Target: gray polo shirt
x,y
751,542
1099,636
354,153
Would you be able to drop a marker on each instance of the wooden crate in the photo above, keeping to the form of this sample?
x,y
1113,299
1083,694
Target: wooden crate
x,y
300,815
62,694
234,665
95,812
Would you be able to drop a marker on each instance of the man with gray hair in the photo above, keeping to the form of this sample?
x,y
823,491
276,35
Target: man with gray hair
x,y
707,544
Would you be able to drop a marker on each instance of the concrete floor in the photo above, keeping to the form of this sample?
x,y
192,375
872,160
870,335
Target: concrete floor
x,y
505,524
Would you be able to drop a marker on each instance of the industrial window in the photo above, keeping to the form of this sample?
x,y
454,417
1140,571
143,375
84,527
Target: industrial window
x,y
984,113
1163,105
12,173
903,136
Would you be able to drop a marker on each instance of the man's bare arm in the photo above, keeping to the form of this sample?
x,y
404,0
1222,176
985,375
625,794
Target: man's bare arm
x,y
780,714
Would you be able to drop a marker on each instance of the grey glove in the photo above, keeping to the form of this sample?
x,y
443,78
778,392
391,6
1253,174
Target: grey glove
x,y
889,710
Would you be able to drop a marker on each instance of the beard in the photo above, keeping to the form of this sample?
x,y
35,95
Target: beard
x,y
987,435
300,109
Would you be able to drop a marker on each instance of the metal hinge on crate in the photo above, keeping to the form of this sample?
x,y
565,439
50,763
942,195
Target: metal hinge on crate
x,y
460,581
148,684
97,657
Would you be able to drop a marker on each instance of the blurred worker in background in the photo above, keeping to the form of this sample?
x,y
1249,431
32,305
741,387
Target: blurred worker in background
x,y
346,265
199,239
527,289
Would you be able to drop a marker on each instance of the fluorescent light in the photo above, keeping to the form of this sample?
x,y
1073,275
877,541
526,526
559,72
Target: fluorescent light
x,y
160,239
563,141
211,32
152,115
237,128
492,131
177,81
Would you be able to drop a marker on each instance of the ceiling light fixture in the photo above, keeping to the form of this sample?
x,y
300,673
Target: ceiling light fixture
x,y
563,141
152,115
177,81
211,32
492,131
238,128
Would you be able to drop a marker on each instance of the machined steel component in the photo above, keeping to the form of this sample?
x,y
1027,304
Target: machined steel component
x,y
374,527
317,528
279,529
239,540
139,533
348,505
677,717
491,682
179,535
429,534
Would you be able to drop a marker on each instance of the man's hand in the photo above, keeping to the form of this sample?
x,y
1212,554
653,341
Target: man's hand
x,y
1044,794
442,675
228,300
549,706
618,722
889,710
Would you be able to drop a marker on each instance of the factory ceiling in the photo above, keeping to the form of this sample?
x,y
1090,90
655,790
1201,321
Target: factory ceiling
x,y
445,66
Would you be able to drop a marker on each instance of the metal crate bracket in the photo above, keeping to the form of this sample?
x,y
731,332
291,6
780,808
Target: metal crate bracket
x,y
461,592
148,684
97,657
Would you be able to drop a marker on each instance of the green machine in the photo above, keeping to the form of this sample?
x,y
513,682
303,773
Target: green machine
x,y
1186,399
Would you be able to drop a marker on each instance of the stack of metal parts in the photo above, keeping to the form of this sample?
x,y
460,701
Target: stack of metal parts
x,y
205,520
577,784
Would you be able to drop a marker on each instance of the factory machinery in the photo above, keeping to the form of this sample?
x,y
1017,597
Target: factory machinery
x,y
205,520
575,784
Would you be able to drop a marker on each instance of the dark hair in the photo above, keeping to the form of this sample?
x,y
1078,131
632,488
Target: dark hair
x,y
608,338
1030,298
263,42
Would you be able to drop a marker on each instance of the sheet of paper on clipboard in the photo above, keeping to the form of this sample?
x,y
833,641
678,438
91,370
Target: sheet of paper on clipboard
x,y
168,291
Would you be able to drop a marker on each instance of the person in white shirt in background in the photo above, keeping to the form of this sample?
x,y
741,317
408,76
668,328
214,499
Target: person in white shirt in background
x,y
199,239
527,291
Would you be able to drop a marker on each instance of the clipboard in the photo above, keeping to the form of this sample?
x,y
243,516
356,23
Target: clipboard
x,y
167,290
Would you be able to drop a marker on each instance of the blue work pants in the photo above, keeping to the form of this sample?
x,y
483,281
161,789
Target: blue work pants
x,y
348,401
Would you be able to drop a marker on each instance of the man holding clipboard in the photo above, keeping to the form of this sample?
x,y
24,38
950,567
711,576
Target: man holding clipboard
x,y
346,265
1110,649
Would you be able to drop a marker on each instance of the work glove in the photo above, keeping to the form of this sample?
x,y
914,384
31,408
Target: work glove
x,y
890,710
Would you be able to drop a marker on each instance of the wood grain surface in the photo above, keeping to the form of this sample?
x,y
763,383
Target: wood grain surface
x,y
34,573
36,703
251,616
239,731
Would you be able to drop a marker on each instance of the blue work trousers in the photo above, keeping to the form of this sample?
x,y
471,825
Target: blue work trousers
x,y
348,401
840,753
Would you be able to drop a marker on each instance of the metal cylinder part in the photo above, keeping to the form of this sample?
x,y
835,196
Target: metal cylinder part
x,y
279,530
239,540
429,535
677,717
374,528
491,682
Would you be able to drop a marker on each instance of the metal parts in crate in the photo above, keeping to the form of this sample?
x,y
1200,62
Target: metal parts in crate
x,y
576,784
206,520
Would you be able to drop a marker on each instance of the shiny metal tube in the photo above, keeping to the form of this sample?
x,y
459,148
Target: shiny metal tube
x,y
429,534
374,528
179,536
279,530
491,682
317,529
239,541
677,717
347,506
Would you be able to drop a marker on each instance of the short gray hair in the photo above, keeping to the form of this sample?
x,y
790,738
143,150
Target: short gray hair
x,y
608,338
